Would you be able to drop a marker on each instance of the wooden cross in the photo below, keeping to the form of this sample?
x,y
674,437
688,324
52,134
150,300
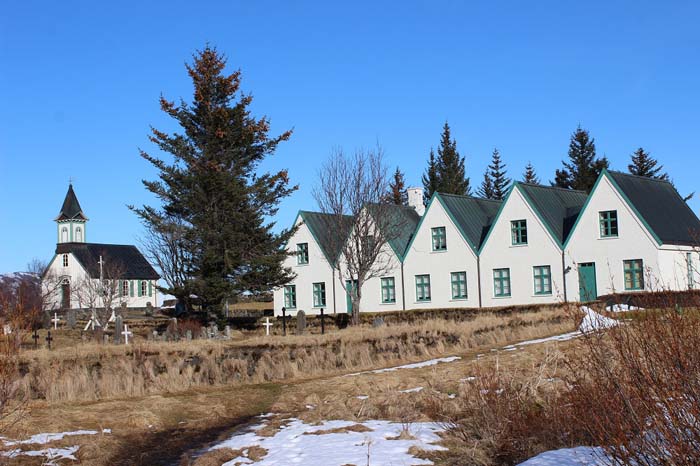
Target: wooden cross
x,y
126,334
49,339
267,326
55,321
35,337
71,180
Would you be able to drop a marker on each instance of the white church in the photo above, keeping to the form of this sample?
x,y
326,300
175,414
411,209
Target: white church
x,y
541,244
83,275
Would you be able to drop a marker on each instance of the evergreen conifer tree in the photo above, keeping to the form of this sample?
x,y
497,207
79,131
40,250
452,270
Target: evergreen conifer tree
x,y
500,181
486,188
397,189
530,176
583,168
451,173
214,190
430,179
643,164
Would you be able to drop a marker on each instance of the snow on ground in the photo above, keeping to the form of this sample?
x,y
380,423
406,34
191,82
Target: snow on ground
x,y
412,390
623,308
416,365
52,455
579,456
593,321
295,443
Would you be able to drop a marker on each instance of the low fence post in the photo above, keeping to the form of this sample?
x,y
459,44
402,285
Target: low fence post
x,y
284,321
323,322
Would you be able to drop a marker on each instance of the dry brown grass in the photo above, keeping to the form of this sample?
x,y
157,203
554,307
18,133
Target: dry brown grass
x,y
93,372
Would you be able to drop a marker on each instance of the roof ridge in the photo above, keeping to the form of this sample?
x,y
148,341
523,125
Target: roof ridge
x,y
557,188
647,178
467,196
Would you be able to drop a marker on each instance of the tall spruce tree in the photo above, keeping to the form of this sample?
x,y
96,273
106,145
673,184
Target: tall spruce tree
x,y
430,179
451,173
486,188
214,188
583,168
397,189
530,176
643,164
498,176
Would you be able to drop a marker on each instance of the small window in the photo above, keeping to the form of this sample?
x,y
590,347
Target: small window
x,y
439,239
302,253
144,288
79,235
65,260
422,287
608,224
634,274
319,294
543,279
125,288
518,229
290,296
459,285
64,235
501,283
691,270
388,290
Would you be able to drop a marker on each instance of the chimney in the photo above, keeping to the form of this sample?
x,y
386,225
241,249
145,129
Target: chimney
x,y
415,199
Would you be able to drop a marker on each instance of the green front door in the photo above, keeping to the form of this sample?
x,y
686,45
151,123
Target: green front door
x,y
588,290
349,289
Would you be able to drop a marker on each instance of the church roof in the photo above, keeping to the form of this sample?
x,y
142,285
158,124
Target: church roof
x,y
127,259
71,207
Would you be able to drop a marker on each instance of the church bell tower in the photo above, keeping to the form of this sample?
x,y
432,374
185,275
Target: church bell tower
x,y
71,220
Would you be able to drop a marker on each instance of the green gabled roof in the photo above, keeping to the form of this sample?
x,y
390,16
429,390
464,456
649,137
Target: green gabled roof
x,y
557,208
71,210
661,208
405,219
323,229
472,215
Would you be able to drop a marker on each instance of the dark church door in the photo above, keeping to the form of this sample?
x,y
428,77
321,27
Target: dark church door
x,y
65,295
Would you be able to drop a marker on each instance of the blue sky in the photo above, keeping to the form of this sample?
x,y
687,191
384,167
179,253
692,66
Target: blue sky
x,y
80,83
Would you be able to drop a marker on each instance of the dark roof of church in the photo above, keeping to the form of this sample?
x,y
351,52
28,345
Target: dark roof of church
x,y
558,208
324,228
127,259
71,207
473,215
663,210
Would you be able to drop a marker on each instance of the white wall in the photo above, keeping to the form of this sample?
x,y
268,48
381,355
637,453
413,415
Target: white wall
x,y
499,253
421,260
673,268
316,271
586,245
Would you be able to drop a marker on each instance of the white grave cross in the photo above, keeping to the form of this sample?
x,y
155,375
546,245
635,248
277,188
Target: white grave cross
x,y
267,326
93,322
55,320
126,334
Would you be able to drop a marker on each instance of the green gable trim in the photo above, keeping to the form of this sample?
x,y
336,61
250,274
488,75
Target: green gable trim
x,y
498,216
634,209
530,203
420,222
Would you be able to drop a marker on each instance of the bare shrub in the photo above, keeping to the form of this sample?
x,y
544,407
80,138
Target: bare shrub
x,y
636,389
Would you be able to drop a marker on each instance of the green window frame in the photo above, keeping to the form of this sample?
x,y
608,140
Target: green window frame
x,y
518,230
543,279
388,290
319,294
691,270
501,283
608,224
422,288
439,239
634,274
459,285
302,253
290,296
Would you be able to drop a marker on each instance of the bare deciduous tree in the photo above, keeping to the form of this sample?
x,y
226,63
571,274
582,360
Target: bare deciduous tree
x,y
352,191
101,294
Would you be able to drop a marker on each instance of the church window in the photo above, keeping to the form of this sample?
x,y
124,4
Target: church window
x,y
79,235
125,288
144,288
64,234
65,260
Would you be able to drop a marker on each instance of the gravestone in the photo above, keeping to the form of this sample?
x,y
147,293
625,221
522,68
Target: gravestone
x,y
378,322
301,322
118,329
203,333
188,335
46,320
105,339
149,309
227,332
213,330
71,319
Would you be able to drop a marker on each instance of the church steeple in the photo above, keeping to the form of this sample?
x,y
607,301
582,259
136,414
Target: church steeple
x,y
71,220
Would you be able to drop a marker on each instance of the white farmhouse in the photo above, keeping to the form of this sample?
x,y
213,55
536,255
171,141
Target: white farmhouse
x,y
540,245
82,274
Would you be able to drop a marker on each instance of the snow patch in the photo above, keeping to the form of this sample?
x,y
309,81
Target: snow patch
x,y
416,365
593,321
292,446
623,308
579,456
362,397
412,390
52,455
42,439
